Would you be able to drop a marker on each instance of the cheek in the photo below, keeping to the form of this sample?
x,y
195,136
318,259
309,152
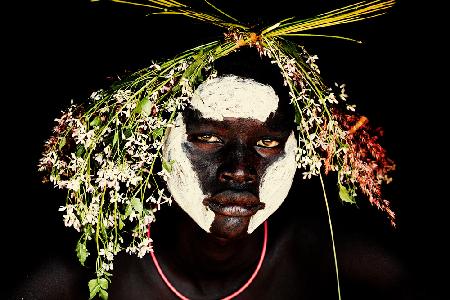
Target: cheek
x,y
183,182
204,164
278,177
276,183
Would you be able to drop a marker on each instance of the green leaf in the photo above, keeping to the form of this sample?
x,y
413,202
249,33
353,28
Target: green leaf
x,y
199,54
92,284
157,133
128,211
193,72
127,132
144,107
97,121
218,50
116,138
121,224
62,142
176,88
94,288
167,165
345,195
137,205
103,294
298,116
82,252
94,291
103,282
80,150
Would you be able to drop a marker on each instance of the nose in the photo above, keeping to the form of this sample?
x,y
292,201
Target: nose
x,y
239,167
240,176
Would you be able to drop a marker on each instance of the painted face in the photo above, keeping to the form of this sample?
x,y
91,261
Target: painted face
x,y
234,153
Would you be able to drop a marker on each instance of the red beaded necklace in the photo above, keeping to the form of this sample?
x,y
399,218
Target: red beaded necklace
x,y
234,294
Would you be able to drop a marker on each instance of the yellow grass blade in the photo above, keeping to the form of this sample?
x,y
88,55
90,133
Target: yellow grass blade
x,y
347,14
172,7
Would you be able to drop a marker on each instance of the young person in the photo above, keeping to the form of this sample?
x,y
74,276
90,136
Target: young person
x,y
241,225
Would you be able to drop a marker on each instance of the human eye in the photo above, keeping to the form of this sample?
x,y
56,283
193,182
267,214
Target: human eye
x,y
208,138
267,143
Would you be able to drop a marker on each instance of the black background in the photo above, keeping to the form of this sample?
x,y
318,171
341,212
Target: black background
x,y
62,50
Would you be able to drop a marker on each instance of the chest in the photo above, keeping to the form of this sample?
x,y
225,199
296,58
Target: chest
x,y
287,272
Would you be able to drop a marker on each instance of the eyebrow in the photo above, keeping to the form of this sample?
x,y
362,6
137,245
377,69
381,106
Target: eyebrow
x,y
274,124
204,125
201,123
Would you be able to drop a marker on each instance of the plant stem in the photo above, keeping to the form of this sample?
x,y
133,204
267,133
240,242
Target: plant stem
x,y
332,236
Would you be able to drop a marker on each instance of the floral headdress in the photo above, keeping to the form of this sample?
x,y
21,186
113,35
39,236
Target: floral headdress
x,y
107,153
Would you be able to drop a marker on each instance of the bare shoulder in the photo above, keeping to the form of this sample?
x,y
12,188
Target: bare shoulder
x,y
372,269
370,265
54,277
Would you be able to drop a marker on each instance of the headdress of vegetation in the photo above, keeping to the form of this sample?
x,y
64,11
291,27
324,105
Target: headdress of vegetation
x,y
107,152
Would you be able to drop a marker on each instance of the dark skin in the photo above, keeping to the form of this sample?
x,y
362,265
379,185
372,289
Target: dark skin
x,y
232,156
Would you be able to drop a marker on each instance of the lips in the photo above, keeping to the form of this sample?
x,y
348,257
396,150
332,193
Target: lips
x,y
234,204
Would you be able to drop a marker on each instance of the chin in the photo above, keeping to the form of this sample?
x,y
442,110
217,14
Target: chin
x,y
229,227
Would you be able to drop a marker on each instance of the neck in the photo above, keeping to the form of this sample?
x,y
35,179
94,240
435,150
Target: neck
x,y
209,262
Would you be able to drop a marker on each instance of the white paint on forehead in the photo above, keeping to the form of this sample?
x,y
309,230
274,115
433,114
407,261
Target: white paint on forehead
x,y
276,183
234,97
183,182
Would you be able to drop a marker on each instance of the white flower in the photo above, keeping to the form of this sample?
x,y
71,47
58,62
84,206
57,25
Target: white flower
x,y
107,150
331,98
108,222
351,107
107,266
96,95
99,158
155,66
148,219
154,95
312,59
74,184
343,95
121,95
76,163
144,247
108,253
132,216
91,216
70,219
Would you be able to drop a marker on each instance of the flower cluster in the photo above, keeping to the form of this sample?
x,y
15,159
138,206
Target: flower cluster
x,y
365,164
108,159
329,138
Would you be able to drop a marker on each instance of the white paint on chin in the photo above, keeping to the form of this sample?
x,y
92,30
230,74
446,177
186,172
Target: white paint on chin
x,y
183,182
276,183
235,97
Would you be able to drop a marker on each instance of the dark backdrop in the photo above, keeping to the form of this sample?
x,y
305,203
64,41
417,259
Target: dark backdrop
x,y
62,50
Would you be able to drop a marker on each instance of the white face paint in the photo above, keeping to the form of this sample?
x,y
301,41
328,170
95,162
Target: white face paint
x,y
222,97
183,182
276,183
235,97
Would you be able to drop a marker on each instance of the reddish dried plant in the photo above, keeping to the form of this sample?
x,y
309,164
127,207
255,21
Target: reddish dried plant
x,y
365,162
